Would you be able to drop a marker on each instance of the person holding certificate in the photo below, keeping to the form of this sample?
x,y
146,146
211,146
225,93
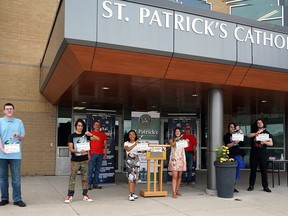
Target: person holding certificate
x,y
98,152
233,139
12,134
79,148
177,161
132,163
260,139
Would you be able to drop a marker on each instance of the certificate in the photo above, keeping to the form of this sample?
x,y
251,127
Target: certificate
x,y
83,146
142,146
181,144
262,137
237,137
12,148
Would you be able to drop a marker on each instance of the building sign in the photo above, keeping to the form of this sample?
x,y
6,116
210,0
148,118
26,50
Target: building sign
x,y
163,30
187,23
147,126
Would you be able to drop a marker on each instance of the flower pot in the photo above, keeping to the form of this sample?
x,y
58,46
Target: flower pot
x,y
225,178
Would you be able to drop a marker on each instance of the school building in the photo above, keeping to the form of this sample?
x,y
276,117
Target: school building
x,y
214,61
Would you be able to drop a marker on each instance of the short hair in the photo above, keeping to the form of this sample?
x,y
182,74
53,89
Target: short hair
x,y
8,104
77,121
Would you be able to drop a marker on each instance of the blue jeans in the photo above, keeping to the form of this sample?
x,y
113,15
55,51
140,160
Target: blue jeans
x,y
94,167
15,165
189,163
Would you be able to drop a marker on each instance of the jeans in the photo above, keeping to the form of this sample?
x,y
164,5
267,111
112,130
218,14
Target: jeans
x,y
189,163
15,165
94,168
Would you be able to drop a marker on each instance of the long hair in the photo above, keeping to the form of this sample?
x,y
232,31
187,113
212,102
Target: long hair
x,y
231,123
126,136
254,127
174,132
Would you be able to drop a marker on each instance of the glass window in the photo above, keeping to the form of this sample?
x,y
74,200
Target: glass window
x,y
261,10
195,3
63,125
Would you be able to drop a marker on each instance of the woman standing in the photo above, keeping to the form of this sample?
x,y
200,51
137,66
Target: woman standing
x,y
233,145
132,163
177,162
79,161
258,155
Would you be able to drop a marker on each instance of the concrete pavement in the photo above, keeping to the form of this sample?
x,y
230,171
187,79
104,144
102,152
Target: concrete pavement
x,y
45,195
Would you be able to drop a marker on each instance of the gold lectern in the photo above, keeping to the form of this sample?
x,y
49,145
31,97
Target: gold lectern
x,y
156,154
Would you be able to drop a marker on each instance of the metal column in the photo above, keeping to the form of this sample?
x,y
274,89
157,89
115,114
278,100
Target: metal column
x,y
215,132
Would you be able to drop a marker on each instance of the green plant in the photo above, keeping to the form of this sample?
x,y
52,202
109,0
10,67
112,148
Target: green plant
x,y
223,154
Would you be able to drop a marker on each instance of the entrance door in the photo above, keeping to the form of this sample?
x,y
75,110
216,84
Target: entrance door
x,y
63,156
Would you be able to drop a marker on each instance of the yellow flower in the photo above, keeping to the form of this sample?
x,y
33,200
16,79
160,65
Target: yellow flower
x,y
223,154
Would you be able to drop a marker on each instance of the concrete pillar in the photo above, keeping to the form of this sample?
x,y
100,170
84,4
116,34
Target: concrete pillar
x,y
215,132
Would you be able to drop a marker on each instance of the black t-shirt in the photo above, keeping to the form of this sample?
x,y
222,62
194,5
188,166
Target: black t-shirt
x,y
256,145
234,150
77,138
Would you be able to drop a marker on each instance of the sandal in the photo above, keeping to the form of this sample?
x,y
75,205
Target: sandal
x,y
174,195
178,193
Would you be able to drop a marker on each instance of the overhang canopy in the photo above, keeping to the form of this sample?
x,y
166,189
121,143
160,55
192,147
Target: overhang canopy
x,y
155,55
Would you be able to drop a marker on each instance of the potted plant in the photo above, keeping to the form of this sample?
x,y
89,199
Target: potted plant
x,y
225,173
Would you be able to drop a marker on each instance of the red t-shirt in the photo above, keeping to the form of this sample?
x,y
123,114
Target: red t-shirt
x,y
97,146
192,141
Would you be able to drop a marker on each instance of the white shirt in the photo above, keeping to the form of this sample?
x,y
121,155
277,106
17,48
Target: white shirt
x,y
134,150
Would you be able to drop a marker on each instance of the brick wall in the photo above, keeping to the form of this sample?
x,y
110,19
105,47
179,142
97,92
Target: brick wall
x,y
24,29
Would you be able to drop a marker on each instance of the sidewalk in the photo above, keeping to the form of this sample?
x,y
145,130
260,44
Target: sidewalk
x,y
45,195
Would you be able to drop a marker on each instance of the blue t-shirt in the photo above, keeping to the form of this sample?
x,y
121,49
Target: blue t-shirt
x,y
7,129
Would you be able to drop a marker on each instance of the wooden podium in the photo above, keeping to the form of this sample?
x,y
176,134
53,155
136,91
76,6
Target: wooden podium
x,y
156,154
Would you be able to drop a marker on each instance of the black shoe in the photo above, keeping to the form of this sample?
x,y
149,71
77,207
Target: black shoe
x,y
4,202
20,204
97,186
267,190
89,187
235,190
250,188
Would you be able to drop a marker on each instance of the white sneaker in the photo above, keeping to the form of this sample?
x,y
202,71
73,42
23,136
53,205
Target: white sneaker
x,y
135,196
69,199
130,197
87,198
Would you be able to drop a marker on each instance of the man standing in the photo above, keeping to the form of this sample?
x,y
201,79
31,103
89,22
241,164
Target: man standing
x,y
12,133
190,152
98,151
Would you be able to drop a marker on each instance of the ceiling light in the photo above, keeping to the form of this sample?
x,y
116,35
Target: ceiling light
x,y
79,108
105,88
264,101
101,110
194,95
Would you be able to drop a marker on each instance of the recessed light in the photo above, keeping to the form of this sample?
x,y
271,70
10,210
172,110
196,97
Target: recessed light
x,y
105,88
194,95
264,101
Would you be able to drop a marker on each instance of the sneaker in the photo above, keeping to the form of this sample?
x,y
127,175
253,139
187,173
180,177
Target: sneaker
x,y
135,196
87,198
130,197
69,199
